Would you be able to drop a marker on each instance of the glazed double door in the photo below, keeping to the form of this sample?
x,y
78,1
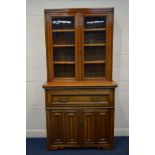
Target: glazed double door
x,y
79,45
79,126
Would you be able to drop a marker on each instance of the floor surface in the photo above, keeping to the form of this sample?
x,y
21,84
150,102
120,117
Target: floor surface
x,y
37,146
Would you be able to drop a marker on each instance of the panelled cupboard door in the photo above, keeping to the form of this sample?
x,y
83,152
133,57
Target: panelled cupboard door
x,y
104,126
55,126
62,127
97,127
77,127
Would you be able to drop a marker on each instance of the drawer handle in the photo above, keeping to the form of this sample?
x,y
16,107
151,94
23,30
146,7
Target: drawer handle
x,y
63,99
96,99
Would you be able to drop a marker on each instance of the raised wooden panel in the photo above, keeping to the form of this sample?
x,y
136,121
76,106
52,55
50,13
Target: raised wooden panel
x,y
89,125
55,126
104,124
71,127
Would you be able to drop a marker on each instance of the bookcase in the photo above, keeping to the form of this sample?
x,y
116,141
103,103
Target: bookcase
x,y
79,92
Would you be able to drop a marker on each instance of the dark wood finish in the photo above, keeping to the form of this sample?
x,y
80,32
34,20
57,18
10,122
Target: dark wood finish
x,y
79,92
80,127
80,97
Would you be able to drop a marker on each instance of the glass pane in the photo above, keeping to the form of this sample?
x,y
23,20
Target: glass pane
x,y
94,53
63,23
64,54
63,38
64,70
94,22
93,37
94,46
94,70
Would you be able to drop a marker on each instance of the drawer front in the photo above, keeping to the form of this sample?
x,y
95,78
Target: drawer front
x,y
80,97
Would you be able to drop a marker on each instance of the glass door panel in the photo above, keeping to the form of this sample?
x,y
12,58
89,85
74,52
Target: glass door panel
x,y
92,22
63,38
94,53
94,37
59,23
64,54
94,70
64,70
94,47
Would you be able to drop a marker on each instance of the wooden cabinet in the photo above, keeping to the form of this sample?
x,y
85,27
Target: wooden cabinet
x,y
80,127
79,44
63,125
79,92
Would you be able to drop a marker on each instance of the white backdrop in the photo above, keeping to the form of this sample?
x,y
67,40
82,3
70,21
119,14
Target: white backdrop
x,y
36,60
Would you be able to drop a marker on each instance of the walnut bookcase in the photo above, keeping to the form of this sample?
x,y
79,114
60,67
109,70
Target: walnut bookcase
x,y
79,92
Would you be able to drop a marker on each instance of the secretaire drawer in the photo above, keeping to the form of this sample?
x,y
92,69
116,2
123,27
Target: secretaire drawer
x,y
80,98
77,97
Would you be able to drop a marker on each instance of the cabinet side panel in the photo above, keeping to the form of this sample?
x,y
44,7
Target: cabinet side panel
x,y
109,47
49,53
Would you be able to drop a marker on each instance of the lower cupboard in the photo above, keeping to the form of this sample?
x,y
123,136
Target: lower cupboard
x,y
80,127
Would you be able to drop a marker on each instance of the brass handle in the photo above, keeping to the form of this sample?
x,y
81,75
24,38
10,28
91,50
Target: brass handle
x,y
63,99
95,99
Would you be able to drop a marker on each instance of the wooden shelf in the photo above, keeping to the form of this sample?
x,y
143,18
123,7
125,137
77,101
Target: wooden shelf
x,y
83,83
95,29
65,45
94,62
63,78
91,78
64,30
97,44
64,62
